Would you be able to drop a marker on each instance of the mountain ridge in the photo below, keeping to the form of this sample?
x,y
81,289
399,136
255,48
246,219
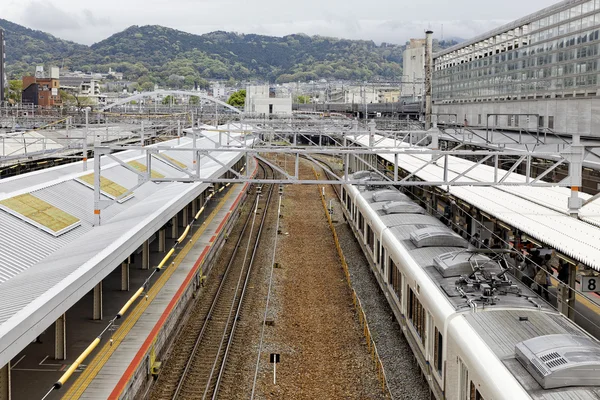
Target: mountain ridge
x,y
150,54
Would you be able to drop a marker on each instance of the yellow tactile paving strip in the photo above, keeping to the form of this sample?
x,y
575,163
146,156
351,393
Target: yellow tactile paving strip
x,y
40,212
106,185
142,168
104,354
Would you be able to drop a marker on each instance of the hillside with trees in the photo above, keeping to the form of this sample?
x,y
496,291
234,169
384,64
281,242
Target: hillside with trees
x,y
156,54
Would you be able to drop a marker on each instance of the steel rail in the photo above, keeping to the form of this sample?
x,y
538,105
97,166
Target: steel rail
x,y
241,297
213,305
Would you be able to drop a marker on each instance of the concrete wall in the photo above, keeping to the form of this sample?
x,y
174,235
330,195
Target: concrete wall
x,y
413,71
571,115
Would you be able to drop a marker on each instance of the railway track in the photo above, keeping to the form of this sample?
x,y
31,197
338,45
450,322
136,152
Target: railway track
x,y
196,364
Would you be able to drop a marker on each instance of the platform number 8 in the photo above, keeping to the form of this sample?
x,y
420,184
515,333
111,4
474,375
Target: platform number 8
x,y
591,286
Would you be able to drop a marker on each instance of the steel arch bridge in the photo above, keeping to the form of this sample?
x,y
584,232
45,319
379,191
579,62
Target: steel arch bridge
x,y
169,92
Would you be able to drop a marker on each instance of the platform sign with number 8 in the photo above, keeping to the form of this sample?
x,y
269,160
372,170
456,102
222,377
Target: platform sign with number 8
x,y
590,283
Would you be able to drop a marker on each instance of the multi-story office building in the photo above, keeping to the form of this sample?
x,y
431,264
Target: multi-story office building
x,y
541,70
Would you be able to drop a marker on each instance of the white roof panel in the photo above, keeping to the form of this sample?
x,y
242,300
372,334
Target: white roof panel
x,y
41,276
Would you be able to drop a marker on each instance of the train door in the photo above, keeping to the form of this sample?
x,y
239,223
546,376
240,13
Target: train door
x,y
463,381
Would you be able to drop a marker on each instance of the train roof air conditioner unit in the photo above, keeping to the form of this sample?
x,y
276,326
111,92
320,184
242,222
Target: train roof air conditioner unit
x,y
402,207
389,195
434,236
457,263
561,360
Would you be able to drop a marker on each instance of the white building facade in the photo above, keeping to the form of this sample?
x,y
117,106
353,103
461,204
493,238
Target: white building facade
x,y
264,101
413,67
539,72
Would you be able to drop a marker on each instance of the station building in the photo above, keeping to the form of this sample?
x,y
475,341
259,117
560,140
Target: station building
x,y
539,72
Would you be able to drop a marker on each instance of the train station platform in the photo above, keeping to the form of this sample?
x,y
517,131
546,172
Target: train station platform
x,y
122,364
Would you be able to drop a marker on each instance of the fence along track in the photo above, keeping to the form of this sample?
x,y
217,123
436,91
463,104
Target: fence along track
x,y
355,299
199,349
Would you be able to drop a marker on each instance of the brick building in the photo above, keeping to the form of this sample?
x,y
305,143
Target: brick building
x,y
42,89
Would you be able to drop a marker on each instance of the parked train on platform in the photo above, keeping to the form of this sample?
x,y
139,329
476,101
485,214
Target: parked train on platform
x,y
476,332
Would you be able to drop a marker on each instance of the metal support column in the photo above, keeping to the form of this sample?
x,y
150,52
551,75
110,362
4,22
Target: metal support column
x,y
146,255
125,276
162,236
186,217
60,338
5,382
175,226
98,301
566,295
195,205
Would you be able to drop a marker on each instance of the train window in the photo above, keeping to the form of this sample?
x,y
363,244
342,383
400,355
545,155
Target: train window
x,y
376,252
474,393
438,351
416,315
395,278
370,237
381,257
361,223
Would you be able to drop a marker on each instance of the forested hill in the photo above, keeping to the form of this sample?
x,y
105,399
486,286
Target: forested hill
x,y
163,55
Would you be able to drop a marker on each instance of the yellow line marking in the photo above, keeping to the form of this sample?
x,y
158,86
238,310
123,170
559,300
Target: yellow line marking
x,y
104,354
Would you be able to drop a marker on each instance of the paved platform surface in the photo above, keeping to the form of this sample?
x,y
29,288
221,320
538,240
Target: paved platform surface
x,y
107,374
34,370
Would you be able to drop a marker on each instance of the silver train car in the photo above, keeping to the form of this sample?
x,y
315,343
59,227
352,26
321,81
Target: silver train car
x,y
476,332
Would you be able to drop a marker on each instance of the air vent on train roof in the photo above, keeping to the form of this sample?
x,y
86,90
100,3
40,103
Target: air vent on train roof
x,y
361,175
434,236
561,360
402,207
457,263
389,195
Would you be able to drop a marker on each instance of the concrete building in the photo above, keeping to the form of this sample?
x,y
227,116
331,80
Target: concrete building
x,y
264,101
42,89
2,70
219,91
413,78
538,71
83,87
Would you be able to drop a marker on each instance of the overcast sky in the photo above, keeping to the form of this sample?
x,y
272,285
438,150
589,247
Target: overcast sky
x,y
390,21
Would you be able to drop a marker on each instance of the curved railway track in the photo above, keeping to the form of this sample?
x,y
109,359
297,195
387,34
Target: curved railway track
x,y
196,364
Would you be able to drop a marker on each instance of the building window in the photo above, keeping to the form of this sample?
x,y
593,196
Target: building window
x,y
479,119
541,121
551,122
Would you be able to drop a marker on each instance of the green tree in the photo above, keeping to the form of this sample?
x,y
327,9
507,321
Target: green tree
x,y
194,100
302,99
14,91
237,99
168,99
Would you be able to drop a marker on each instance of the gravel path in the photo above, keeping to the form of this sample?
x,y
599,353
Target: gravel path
x,y
316,331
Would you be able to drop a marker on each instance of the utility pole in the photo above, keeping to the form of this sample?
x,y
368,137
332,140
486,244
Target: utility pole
x,y
428,77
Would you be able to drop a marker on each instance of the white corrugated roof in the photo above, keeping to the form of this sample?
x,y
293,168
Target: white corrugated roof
x,y
537,211
42,276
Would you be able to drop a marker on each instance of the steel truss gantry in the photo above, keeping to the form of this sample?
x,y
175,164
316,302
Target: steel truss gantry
x,y
285,160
